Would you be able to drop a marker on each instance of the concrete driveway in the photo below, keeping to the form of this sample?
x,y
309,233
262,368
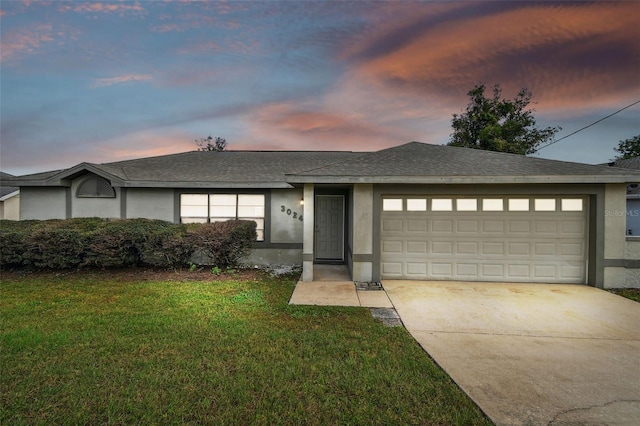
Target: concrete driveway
x,y
531,354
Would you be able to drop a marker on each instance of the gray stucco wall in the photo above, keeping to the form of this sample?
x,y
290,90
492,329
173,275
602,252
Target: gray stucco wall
x,y
286,210
43,203
150,203
94,207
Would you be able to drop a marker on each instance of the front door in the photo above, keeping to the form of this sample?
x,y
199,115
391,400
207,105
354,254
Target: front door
x,y
329,241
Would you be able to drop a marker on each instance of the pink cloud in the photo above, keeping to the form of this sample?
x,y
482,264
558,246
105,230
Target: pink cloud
x,y
100,7
104,82
516,47
25,41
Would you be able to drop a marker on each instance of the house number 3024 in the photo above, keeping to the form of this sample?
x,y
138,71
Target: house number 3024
x,y
289,212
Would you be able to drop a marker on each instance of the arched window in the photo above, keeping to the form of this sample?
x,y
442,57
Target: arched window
x,y
95,187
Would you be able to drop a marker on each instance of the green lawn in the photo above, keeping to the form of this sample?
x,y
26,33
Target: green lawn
x,y
104,348
629,293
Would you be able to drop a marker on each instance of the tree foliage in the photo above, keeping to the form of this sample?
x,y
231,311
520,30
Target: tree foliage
x,y
211,144
496,124
628,148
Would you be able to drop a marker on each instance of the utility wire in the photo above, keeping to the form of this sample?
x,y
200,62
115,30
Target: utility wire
x,y
586,127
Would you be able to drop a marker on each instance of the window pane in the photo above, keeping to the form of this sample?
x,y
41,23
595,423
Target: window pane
x,y
571,205
223,205
442,204
467,205
193,211
417,205
251,205
222,219
492,205
194,206
194,199
519,204
392,204
545,204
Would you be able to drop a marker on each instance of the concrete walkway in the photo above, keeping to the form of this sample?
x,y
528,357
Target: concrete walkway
x,y
332,287
531,354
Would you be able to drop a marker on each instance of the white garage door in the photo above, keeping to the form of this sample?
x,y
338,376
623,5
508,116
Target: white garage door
x,y
484,238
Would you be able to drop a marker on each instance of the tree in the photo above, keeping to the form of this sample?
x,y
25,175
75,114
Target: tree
x,y
496,124
628,148
211,144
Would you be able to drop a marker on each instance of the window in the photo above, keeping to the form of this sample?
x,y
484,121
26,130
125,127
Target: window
x,y
95,187
442,204
571,205
545,204
518,204
416,205
392,204
492,205
209,208
467,204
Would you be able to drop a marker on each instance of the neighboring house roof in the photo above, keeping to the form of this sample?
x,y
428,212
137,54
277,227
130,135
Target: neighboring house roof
x,y
413,162
424,163
4,189
633,190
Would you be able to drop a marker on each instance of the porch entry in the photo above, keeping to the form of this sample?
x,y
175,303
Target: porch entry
x,y
329,232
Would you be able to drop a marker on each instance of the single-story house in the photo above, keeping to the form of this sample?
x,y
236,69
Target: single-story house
x,y
414,211
9,199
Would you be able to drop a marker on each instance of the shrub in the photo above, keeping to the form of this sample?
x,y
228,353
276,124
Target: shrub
x,y
224,243
74,243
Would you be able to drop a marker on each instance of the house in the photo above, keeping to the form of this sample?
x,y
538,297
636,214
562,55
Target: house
x,y
414,211
633,196
9,199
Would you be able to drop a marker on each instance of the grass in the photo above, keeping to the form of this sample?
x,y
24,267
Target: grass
x,y
97,348
629,293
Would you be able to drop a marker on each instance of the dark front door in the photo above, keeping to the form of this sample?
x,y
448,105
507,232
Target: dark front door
x,y
329,228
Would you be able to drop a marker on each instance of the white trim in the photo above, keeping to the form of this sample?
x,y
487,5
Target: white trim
x,y
10,195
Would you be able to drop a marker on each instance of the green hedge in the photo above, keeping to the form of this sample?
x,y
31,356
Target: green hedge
x,y
94,242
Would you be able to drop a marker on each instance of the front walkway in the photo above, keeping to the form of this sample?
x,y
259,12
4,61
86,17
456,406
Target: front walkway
x,y
332,287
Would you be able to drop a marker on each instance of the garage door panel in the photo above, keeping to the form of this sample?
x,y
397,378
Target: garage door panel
x,y
512,246
441,226
442,247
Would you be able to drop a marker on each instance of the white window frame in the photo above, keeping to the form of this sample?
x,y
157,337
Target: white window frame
x,y
258,216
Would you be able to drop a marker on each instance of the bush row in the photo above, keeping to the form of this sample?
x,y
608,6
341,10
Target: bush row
x,y
103,243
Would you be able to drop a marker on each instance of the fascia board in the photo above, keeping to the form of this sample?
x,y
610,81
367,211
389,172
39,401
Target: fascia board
x,y
212,185
462,179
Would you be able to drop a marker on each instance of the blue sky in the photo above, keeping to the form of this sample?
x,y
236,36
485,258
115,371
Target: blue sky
x,y
102,81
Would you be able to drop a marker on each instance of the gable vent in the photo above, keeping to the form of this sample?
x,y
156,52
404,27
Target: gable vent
x,y
95,187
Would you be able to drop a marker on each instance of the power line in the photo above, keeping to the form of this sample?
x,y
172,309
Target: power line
x,y
586,127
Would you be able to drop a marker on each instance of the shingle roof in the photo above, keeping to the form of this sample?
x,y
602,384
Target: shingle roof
x,y
424,163
205,169
630,163
4,189
413,162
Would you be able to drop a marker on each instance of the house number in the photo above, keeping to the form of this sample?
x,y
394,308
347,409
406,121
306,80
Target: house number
x,y
289,212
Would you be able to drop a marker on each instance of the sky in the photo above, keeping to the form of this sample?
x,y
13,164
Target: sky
x,y
102,81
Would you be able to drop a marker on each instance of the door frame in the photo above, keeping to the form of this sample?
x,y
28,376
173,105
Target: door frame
x,y
343,259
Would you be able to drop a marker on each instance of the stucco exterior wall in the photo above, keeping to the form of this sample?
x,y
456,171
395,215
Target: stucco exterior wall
x,y
362,232
94,207
270,257
43,203
10,208
150,203
286,211
615,225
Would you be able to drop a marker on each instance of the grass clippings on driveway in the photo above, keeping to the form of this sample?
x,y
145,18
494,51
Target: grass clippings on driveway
x,y
104,348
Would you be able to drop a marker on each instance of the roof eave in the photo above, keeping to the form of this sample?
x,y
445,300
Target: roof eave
x,y
298,179
208,185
